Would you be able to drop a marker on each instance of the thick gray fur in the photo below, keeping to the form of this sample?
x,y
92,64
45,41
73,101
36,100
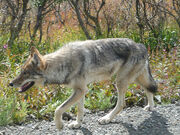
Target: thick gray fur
x,y
80,63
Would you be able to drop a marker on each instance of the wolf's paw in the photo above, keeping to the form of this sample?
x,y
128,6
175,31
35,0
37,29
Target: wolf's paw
x,y
148,108
74,124
104,120
59,126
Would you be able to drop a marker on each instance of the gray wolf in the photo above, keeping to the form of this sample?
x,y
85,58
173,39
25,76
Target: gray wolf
x,y
79,63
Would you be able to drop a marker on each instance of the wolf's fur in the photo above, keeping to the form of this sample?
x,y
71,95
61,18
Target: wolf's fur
x,y
80,63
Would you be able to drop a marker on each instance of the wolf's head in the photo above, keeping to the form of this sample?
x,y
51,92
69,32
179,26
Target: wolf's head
x,y
31,72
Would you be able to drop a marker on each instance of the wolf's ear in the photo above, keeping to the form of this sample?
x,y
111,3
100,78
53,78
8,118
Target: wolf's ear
x,y
37,58
34,50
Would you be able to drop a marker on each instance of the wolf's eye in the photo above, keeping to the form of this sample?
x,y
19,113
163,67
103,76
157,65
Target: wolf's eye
x,y
25,73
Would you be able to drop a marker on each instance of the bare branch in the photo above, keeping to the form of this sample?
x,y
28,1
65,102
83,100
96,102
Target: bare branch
x,y
101,6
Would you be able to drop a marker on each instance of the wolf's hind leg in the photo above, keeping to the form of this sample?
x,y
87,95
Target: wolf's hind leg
x,y
124,77
80,114
150,104
147,82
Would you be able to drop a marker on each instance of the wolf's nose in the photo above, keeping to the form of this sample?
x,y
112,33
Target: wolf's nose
x,y
10,84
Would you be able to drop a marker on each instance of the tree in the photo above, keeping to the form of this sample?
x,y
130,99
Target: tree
x,y
94,17
17,11
75,5
88,12
149,16
139,17
43,8
172,8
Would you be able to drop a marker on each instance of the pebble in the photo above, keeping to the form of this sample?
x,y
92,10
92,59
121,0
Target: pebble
x,y
163,120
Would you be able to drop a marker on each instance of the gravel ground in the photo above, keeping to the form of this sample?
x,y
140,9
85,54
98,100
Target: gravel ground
x,y
163,120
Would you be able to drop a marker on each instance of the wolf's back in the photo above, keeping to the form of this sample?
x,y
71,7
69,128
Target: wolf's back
x,y
108,50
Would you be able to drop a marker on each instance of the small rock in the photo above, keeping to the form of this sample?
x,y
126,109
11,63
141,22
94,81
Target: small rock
x,y
158,98
173,101
2,132
177,103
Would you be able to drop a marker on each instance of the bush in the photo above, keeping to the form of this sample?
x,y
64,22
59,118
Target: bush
x,y
41,102
12,111
167,39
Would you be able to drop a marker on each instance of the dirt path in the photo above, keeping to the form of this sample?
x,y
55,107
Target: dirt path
x,y
163,120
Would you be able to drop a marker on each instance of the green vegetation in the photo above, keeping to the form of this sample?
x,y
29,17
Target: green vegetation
x,y
12,110
161,39
42,102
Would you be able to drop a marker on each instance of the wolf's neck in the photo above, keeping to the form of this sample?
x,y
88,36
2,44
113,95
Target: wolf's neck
x,y
57,70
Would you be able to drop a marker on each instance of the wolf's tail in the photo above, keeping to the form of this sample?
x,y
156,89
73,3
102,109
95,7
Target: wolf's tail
x,y
152,83
147,81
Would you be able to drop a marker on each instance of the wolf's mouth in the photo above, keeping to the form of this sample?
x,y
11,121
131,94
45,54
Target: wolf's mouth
x,y
26,86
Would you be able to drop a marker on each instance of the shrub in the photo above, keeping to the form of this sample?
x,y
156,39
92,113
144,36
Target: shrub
x,y
12,111
41,102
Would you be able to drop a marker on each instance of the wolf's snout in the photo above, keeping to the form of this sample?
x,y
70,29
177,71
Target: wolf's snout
x,y
10,84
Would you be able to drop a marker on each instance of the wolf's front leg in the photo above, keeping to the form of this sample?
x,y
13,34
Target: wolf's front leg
x,y
78,94
80,113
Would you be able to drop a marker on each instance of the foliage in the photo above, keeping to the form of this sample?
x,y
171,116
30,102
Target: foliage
x,y
12,111
100,96
165,67
167,39
41,102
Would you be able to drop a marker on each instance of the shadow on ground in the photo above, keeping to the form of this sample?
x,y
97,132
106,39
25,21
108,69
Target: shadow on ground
x,y
155,125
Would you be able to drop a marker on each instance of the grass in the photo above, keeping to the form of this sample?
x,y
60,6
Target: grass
x,y
42,101
165,67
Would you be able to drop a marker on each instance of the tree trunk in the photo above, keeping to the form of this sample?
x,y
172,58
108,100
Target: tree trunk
x,y
16,28
39,18
139,23
178,22
75,5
